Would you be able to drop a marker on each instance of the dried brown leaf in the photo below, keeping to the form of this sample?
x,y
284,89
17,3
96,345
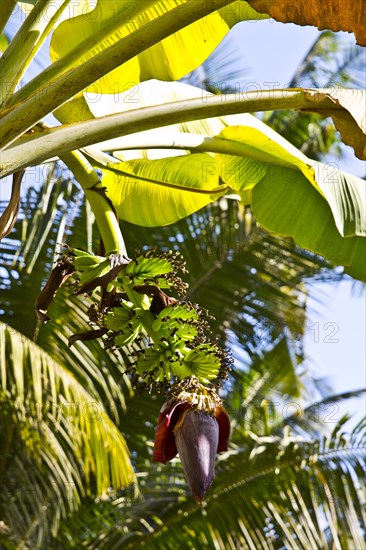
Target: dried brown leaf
x,y
58,276
336,15
160,300
88,335
117,263
10,214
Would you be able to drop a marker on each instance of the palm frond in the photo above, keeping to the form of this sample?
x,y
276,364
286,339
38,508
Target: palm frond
x,y
88,361
314,419
278,492
269,380
63,432
47,211
333,59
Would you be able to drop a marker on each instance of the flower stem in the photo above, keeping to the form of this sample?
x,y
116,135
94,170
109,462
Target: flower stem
x,y
108,227
102,209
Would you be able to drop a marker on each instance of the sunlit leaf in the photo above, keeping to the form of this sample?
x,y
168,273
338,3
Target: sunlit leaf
x,y
261,155
75,109
348,115
165,190
260,152
75,437
170,59
3,43
346,196
257,150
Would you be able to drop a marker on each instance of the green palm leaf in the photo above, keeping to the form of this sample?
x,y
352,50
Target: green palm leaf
x,y
62,429
331,61
272,492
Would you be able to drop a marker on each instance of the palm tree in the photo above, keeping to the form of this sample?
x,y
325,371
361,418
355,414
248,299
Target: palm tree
x,y
67,413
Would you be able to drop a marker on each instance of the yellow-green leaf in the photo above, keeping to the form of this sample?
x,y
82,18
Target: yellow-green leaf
x,y
262,152
346,196
258,149
169,59
290,206
3,43
160,192
74,110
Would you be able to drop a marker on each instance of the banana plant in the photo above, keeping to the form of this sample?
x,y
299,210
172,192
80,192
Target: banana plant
x,y
122,53
171,156
114,47
119,50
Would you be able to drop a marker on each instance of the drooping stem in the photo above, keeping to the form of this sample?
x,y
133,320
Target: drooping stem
x,y
101,207
36,148
108,226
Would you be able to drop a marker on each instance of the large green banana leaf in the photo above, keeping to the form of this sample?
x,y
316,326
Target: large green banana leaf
x,y
46,392
334,201
179,192
344,192
290,206
284,199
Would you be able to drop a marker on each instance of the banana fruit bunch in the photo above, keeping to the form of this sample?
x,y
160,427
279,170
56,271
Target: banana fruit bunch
x,y
148,268
177,322
171,335
179,350
160,270
89,266
161,364
124,323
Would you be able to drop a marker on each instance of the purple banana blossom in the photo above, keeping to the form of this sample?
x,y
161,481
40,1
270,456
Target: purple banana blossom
x,y
194,424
